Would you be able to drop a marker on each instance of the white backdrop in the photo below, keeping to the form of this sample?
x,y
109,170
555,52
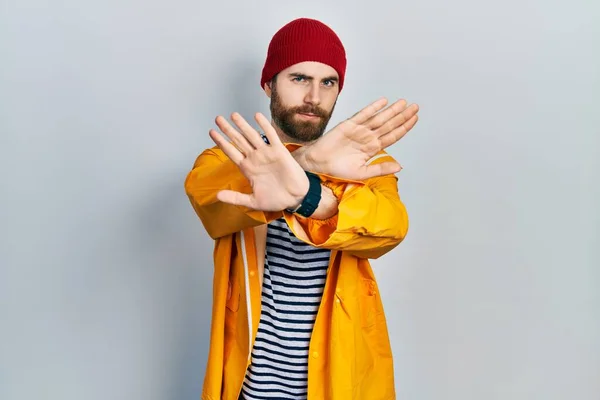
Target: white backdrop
x,y
106,272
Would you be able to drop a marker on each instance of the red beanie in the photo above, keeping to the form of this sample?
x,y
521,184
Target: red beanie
x,y
300,40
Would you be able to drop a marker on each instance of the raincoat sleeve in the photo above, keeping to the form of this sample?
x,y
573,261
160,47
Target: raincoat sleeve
x,y
214,171
371,218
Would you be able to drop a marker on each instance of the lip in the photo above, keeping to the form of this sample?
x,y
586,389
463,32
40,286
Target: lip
x,y
309,116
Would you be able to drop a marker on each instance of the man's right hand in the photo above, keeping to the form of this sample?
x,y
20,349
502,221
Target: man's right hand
x,y
278,181
343,152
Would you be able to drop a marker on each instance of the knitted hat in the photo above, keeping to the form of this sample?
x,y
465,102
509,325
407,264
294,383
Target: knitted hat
x,y
304,39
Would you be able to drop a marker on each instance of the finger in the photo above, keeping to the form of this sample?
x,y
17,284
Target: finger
x,y
398,133
236,138
251,135
235,198
268,129
230,150
381,169
384,116
398,120
363,115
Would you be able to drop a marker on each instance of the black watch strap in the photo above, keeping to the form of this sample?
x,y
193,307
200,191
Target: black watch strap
x,y
313,197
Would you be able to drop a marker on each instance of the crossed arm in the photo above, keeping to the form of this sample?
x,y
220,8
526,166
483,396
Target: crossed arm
x,y
246,182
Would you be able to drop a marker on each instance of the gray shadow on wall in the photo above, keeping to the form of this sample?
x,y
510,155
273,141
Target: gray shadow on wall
x,y
173,217
179,270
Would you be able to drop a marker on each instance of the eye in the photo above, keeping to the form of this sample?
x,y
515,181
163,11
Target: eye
x,y
298,78
329,82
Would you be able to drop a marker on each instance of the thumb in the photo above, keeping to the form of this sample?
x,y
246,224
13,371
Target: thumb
x,y
235,198
385,168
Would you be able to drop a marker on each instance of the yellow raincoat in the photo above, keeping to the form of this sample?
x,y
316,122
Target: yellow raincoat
x,y
350,355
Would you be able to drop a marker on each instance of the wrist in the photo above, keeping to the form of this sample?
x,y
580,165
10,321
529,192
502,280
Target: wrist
x,y
310,202
306,158
328,207
305,187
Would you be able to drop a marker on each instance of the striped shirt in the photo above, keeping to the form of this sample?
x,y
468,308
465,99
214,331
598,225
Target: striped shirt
x,y
294,277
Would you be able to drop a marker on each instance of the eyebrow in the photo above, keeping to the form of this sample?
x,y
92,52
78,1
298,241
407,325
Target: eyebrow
x,y
300,75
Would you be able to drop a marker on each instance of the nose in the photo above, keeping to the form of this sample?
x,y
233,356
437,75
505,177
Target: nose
x,y
313,95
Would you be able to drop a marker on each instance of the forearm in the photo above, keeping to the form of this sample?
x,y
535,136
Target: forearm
x,y
370,221
328,206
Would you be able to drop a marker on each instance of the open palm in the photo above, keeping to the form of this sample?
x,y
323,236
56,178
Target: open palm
x,y
344,151
277,181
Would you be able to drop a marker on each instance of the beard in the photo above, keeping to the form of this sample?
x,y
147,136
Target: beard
x,y
303,131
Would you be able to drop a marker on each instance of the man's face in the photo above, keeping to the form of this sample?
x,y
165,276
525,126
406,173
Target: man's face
x,y
303,97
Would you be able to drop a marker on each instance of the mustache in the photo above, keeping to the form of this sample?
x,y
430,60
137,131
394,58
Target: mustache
x,y
307,109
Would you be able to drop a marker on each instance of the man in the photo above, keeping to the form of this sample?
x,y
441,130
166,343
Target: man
x,y
296,215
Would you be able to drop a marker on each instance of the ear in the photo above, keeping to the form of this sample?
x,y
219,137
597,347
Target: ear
x,y
267,88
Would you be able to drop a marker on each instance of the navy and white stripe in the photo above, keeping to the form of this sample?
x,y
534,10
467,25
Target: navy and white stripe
x,y
294,277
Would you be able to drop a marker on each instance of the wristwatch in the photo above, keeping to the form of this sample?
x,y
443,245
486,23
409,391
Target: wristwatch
x,y
311,200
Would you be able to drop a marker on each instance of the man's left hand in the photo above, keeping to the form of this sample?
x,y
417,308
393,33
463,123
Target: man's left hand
x,y
344,151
